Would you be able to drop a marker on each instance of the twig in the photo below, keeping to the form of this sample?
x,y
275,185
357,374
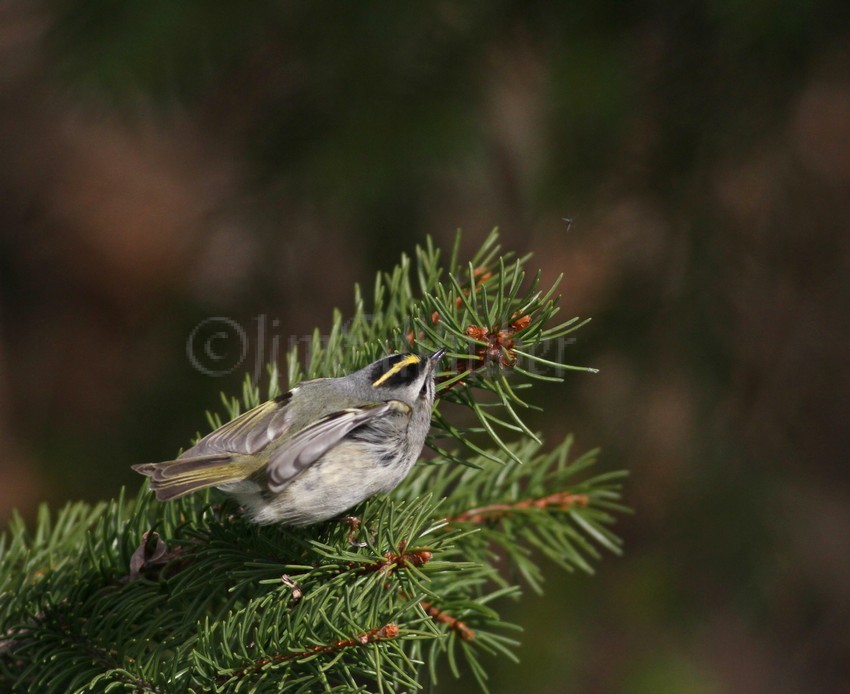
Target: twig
x,y
559,500
453,623
388,631
392,561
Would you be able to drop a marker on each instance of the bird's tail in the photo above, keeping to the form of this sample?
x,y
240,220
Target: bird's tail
x,y
175,478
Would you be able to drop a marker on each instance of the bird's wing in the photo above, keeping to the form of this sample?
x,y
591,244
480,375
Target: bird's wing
x,y
310,444
249,433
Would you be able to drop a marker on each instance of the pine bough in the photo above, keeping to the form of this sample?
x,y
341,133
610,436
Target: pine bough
x,y
135,595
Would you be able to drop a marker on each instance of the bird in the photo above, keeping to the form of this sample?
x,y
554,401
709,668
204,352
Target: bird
x,y
319,449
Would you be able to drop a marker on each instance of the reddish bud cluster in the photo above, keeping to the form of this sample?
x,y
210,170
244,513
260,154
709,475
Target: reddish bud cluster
x,y
499,347
393,561
499,344
500,341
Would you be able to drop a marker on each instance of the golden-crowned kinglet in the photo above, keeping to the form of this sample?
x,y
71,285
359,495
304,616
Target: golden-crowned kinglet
x,y
316,451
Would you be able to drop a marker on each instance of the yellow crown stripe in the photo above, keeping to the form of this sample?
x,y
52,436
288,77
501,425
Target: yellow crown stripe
x,y
409,360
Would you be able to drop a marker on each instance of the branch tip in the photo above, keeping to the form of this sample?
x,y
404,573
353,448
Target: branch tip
x,y
560,501
453,623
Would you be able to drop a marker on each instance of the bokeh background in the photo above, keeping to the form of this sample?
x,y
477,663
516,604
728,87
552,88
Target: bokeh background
x,y
164,162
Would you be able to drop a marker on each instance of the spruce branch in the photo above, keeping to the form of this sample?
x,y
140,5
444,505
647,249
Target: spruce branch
x,y
136,595
388,631
559,500
451,622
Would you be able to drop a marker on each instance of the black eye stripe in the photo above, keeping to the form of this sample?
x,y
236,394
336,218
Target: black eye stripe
x,y
396,370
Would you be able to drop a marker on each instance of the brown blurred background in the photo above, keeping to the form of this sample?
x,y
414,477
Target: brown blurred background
x,y
163,163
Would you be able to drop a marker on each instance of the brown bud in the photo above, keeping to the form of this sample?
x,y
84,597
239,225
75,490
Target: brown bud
x,y
520,323
476,332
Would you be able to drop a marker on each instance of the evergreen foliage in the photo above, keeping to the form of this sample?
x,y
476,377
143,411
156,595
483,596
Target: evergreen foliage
x,y
136,595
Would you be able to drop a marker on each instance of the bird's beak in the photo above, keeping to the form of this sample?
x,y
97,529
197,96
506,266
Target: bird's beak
x,y
436,356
